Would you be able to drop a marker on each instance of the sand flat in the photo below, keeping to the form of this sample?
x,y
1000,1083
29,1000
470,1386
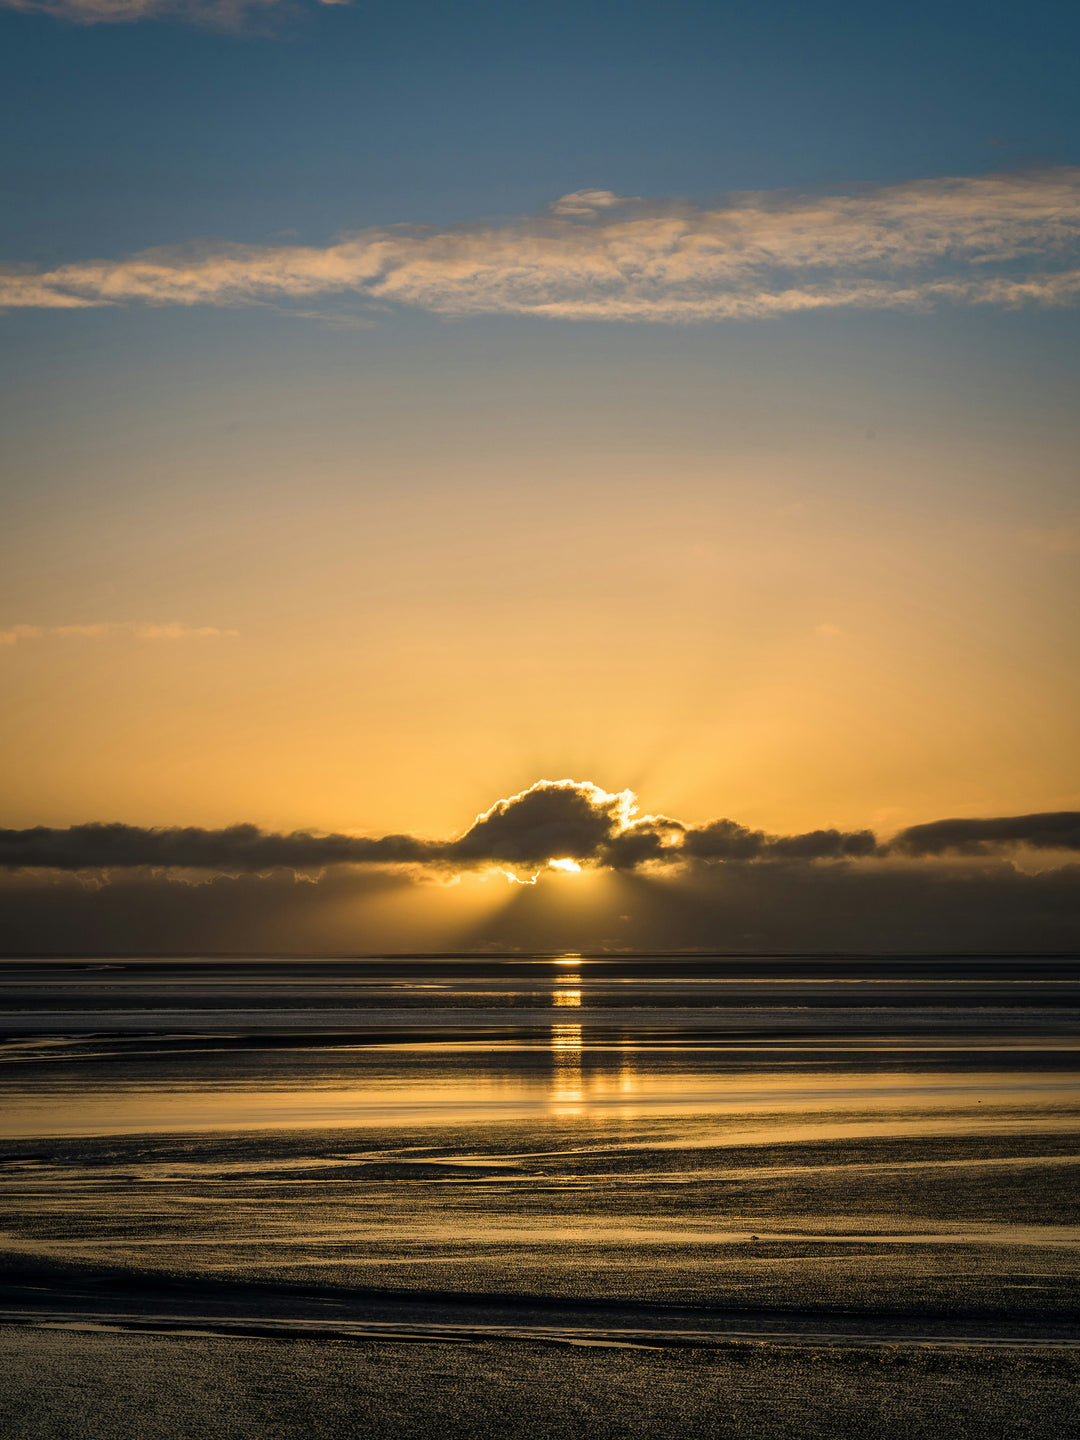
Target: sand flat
x,y
832,1194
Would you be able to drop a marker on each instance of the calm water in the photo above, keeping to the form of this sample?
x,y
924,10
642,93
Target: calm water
x,y
633,1150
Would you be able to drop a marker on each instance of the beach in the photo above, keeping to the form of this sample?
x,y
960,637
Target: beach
x,y
590,1195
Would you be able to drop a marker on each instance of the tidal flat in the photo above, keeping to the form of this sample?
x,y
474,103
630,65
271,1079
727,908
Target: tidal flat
x,y
658,1195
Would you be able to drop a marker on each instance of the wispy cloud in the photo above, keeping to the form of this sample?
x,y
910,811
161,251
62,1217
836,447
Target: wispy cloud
x,y
223,14
996,240
172,630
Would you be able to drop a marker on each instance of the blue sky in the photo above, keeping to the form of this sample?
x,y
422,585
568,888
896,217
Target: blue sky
x,y
121,136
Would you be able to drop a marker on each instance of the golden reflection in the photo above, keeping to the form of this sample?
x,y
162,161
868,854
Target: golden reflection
x,y
566,1088
566,1039
744,1108
560,997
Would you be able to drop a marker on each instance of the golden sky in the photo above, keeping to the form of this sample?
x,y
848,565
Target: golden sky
x,y
828,632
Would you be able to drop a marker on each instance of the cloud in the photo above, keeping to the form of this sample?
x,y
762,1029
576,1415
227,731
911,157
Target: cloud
x,y
950,885
652,839
552,820
219,14
1001,240
1057,830
725,840
150,913
982,907
235,849
589,202
138,630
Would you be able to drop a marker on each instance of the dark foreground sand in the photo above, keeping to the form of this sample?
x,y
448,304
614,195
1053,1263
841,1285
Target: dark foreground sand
x,y
69,1386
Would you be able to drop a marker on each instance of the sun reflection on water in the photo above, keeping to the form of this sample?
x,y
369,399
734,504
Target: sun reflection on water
x,y
566,1087
562,995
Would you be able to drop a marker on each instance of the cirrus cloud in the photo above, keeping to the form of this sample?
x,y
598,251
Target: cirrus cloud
x,y
1000,240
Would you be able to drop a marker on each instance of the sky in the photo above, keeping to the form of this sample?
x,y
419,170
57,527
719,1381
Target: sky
x,y
406,404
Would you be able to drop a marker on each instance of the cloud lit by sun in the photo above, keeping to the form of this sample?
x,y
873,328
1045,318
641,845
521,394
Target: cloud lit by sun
x,y
568,866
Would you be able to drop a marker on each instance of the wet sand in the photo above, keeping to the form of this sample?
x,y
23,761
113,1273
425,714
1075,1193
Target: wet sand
x,y
654,1196
205,1389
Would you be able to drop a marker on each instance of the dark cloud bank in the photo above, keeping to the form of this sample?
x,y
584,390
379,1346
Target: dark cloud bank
x,y
952,884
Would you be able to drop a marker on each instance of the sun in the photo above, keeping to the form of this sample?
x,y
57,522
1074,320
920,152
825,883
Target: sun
x,y
568,866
